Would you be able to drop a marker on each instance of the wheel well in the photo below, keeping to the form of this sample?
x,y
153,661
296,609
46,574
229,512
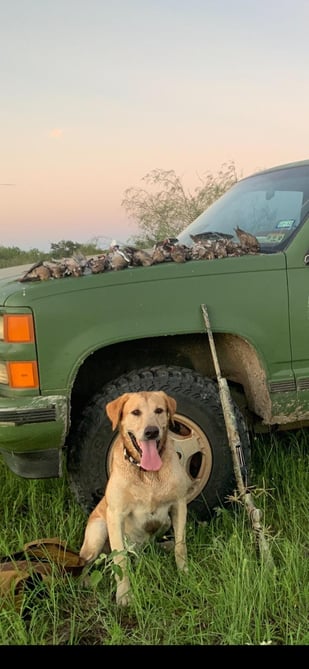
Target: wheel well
x,y
238,361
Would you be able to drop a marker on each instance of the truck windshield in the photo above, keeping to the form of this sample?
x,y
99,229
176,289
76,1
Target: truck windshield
x,y
269,205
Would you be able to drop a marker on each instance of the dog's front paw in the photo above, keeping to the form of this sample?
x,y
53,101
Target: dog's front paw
x,y
184,568
124,600
123,595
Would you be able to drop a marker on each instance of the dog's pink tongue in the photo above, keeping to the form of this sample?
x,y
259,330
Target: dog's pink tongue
x,y
150,460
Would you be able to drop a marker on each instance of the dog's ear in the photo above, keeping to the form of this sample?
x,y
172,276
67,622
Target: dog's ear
x,y
114,409
171,405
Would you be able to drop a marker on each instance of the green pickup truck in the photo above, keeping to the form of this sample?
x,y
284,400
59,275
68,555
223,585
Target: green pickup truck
x,y
70,345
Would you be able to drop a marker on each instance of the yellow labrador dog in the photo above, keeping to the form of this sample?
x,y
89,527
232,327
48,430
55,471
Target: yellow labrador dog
x,y
146,493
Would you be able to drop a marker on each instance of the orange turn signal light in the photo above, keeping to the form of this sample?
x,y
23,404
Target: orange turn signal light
x,y
18,328
23,374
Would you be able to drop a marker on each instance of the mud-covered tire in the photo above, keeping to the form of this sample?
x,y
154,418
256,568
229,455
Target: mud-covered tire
x,y
199,435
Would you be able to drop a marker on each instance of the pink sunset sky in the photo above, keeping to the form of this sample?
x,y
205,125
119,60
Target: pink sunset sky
x,y
96,94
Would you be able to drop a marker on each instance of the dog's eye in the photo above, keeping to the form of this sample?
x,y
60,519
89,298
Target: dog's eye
x,y
158,410
136,412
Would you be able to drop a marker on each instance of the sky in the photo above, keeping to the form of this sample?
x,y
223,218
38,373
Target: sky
x,y
96,94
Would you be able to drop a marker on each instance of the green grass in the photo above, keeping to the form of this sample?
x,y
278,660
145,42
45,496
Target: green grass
x,y
229,597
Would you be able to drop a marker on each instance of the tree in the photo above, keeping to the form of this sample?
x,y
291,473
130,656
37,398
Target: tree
x,y
167,209
64,248
11,256
68,248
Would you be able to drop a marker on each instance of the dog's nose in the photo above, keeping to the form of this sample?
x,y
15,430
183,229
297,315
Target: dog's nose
x,y
151,432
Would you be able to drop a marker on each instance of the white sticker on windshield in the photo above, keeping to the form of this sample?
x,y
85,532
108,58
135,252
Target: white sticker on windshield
x,y
286,224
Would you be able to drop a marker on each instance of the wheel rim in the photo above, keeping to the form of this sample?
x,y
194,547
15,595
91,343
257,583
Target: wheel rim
x,y
194,451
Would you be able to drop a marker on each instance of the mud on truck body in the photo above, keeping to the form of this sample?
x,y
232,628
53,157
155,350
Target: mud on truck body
x,y
68,346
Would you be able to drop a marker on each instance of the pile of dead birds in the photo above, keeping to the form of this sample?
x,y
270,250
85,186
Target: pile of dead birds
x,y
205,246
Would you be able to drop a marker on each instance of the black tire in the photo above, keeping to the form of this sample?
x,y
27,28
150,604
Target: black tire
x,y
199,434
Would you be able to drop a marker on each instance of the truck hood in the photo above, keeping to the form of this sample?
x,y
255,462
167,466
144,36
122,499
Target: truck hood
x,y
16,294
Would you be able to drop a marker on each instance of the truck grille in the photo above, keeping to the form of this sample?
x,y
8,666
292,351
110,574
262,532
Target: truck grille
x,y
28,416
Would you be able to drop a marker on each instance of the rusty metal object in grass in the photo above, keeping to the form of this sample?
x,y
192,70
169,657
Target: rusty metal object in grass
x,y
35,564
